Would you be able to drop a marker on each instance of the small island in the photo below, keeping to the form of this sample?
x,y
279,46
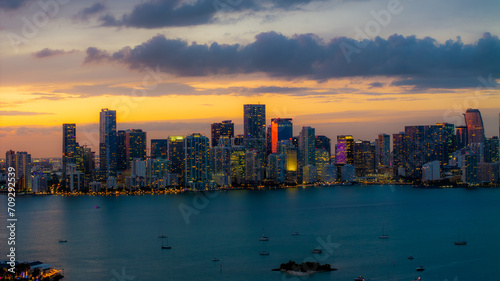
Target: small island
x,y
304,268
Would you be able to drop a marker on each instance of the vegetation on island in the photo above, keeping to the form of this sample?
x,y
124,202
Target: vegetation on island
x,y
304,267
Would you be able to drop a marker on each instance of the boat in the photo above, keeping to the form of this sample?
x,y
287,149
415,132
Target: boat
x,y
384,235
460,242
317,251
295,233
360,278
63,240
264,253
420,268
215,259
162,236
165,246
263,237
410,257
96,207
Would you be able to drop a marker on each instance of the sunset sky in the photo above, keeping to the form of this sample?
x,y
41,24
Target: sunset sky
x,y
173,67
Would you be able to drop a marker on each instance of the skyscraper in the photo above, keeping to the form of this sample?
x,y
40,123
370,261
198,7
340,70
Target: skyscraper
x,y
307,146
461,137
121,150
176,156
135,141
254,126
344,152
281,129
68,149
107,143
21,162
196,173
383,151
398,154
226,128
323,142
475,128
364,158
159,148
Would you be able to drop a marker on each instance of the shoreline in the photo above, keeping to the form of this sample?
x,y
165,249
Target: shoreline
x,y
259,188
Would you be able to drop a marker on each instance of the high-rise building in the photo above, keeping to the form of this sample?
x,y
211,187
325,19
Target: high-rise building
x,y
491,146
344,150
226,128
383,151
135,141
475,128
323,142
364,158
107,143
281,129
159,148
21,162
68,148
398,154
176,156
461,137
254,126
121,150
307,147
424,144
197,158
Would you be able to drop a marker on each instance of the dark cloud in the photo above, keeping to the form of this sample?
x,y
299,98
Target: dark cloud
x,y
51,52
12,4
423,83
163,13
306,55
21,113
84,14
377,85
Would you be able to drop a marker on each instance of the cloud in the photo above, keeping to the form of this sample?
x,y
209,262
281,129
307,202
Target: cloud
x,y
377,85
84,14
46,96
21,113
306,55
165,13
12,4
46,52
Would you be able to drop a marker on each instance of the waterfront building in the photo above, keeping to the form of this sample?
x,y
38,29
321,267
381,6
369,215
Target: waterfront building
x,y
135,143
176,155
344,150
329,173
347,173
475,127
431,171
107,143
196,161
68,149
159,148
225,128
254,126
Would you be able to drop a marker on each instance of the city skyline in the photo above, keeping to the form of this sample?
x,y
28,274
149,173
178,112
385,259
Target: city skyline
x,y
305,60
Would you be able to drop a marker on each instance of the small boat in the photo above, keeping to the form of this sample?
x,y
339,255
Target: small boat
x,y
420,268
165,246
215,259
384,235
263,237
460,241
63,240
96,207
418,279
264,253
295,233
410,257
162,236
317,251
360,278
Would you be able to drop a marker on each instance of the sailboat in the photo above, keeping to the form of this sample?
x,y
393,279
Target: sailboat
x,y
263,237
384,235
165,246
460,242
